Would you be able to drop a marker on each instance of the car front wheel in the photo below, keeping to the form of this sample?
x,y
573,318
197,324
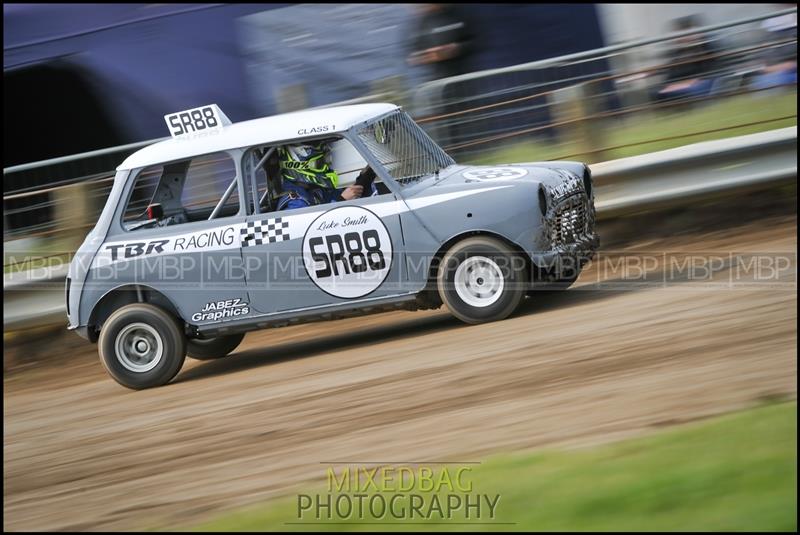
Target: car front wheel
x,y
142,346
213,348
481,279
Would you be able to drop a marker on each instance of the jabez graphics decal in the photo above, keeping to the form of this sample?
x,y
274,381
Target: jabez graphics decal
x,y
217,310
347,252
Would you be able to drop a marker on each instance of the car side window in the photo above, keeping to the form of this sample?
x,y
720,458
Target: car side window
x,y
263,164
267,157
183,192
142,194
207,179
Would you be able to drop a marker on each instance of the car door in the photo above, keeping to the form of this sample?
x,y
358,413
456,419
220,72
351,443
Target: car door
x,y
330,254
192,260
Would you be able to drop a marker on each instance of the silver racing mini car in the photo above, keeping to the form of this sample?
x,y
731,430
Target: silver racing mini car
x,y
194,247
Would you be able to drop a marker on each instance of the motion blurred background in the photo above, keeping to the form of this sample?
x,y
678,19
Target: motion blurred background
x,y
86,85
526,82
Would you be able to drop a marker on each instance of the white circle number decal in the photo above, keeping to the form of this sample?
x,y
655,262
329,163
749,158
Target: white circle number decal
x,y
347,252
495,172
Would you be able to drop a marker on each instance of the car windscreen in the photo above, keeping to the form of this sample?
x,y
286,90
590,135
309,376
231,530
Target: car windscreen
x,y
403,148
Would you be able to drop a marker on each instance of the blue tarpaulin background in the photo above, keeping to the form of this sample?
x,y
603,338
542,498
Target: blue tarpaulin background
x,y
94,75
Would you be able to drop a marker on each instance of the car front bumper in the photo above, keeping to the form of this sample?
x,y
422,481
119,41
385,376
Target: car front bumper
x,y
563,261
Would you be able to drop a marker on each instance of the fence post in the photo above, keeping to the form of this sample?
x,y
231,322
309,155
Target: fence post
x,y
575,106
72,209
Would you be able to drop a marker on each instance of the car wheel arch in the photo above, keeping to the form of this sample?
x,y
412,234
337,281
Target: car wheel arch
x,y
449,243
125,295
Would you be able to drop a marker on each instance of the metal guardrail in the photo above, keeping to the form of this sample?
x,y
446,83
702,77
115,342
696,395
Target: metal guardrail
x,y
623,187
698,170
82,156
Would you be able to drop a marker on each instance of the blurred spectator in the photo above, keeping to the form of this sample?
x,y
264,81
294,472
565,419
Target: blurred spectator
x,y
780,62
442,40
689,73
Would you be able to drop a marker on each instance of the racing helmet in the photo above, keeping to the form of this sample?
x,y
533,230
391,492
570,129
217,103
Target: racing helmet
x,y
307,165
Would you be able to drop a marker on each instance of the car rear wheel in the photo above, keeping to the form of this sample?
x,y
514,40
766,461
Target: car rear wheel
x,y
142,346
213,348
481,279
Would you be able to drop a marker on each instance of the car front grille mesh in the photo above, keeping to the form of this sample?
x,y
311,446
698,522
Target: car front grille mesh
x,y
569,222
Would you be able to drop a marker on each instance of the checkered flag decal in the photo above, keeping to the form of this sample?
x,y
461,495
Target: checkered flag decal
x,y
265,231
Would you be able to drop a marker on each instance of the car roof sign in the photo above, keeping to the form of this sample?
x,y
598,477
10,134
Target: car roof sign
x,y
276,128
201,119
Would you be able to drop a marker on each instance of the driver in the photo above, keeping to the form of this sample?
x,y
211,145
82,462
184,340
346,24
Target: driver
x,y
308,179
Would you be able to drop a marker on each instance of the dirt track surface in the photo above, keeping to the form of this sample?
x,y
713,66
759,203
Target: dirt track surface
x,y
571,368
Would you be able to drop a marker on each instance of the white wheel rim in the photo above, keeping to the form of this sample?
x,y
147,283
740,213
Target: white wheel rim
x,y
139,347
479,281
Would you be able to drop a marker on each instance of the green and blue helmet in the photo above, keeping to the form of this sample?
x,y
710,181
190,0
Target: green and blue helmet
x,y
307,165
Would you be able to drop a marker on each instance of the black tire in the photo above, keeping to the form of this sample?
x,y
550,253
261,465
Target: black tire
x,y
482,255
213,348
142,329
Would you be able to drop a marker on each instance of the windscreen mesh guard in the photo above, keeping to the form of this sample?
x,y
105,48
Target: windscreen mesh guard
x,y
403,148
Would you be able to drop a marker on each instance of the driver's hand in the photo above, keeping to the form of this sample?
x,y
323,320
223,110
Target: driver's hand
x,y
367,173
352,192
